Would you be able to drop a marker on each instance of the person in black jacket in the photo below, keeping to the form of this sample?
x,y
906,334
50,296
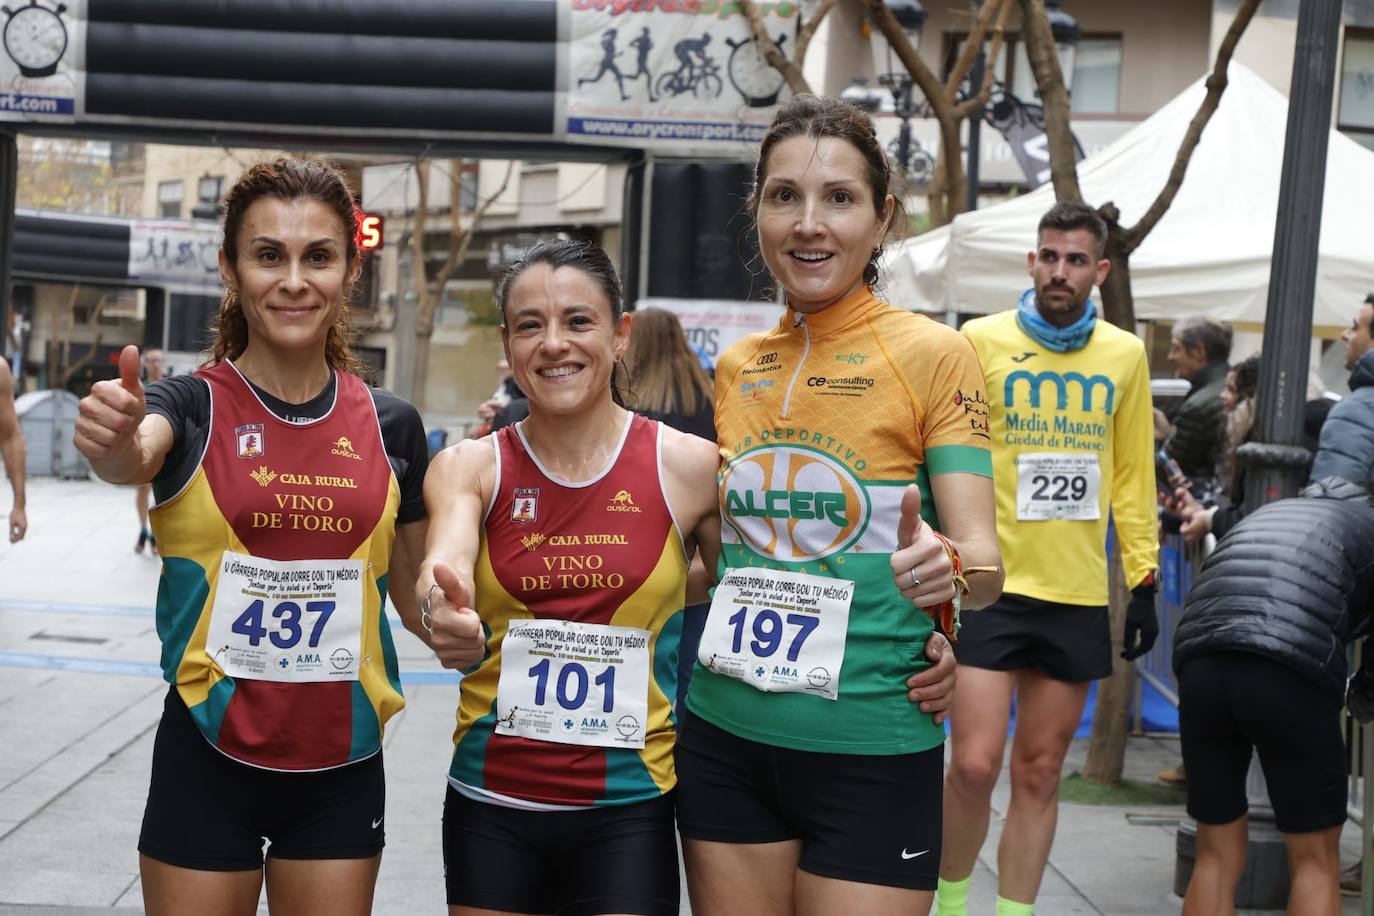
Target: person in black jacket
x,y
1195,436
1261,664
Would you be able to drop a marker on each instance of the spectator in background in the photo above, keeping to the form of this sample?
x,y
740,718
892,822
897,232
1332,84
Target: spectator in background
x,y
1346,447
1261,665
1196,434
506,405
668,384
12,451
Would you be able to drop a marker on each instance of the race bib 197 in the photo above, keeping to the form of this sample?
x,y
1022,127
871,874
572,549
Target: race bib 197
x,y
778,631
1058,485
574,683
287,621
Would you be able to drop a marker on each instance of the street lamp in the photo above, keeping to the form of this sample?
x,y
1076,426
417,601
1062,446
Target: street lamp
x,y
911,16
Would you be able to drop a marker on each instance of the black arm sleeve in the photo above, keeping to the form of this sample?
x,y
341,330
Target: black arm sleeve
x,y
184,401
403,437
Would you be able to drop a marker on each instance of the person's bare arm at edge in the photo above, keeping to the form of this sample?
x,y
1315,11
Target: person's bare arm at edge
x,y
122,441
972,528
457,487
690,463
404,569
12,451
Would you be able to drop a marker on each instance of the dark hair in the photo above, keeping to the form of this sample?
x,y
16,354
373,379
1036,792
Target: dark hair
x,y
1067,216
582,256
289,179
823,116
1213,336
667,374
1247,376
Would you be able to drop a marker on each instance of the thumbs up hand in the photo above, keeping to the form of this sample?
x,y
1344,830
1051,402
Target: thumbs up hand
x,y
109,417
920,566
455,629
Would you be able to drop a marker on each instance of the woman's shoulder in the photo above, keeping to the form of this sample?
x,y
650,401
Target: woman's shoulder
x,y
907,332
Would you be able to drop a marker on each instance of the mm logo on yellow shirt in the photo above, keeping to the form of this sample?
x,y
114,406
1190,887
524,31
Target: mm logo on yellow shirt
x,y
792,503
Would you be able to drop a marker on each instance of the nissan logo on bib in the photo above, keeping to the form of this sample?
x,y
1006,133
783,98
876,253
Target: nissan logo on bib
x,y
793,503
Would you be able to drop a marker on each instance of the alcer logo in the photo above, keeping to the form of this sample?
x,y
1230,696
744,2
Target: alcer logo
x,y
793,503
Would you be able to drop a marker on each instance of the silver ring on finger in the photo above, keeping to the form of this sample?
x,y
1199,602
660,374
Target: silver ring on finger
x,y
915,582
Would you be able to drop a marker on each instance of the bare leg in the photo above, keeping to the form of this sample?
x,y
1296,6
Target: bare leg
x,y
321,887
817,896
724,879
1314,862
171,891
1047,713
1220,860
978,738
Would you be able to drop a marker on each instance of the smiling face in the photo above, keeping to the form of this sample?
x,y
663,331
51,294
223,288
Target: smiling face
x,y
291,272
562,339
1064,268
817,219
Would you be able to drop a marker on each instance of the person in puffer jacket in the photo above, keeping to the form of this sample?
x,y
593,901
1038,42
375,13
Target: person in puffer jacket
x,y
1346,448
1260,655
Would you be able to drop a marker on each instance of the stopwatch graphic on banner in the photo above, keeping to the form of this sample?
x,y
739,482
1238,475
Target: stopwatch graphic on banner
x,y
40,72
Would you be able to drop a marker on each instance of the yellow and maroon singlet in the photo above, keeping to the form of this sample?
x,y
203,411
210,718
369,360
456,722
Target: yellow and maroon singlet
x,y
275,559
580,588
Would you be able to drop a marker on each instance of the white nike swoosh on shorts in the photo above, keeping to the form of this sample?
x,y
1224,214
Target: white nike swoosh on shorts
x,y
913,855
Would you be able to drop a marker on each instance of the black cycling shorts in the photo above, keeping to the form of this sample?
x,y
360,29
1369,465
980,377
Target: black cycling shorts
x,y
873,819
209,812
1068,642
1231,703
611,859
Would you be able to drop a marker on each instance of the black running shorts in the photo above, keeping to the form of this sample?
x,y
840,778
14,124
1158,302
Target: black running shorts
x,y
1231,703
1067,642
612,859
863,818
209,812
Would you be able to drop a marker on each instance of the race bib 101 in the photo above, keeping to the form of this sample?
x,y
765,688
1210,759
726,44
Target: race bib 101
x,y
778,631
574,683
1058,485
287,621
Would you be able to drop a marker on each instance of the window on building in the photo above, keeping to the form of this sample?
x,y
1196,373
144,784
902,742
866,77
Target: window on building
x,y
209,189
1356,112
169,199
1096,72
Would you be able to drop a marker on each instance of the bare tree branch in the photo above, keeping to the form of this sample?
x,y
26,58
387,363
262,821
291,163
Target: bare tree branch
x,y
999,38
972,45
459,242
1054,97
1216,85
417,241
951,152
790,71
808,30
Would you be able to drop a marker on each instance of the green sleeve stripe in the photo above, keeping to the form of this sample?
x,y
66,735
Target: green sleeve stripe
x,y
959,459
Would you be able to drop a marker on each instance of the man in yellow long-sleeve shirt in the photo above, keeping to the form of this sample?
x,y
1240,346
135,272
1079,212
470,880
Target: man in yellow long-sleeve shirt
x,y
1072,445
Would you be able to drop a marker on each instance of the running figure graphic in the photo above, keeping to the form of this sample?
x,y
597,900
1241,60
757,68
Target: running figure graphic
x,y
643,44
608,65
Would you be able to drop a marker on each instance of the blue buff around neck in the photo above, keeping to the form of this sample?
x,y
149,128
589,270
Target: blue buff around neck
x,y
1060,340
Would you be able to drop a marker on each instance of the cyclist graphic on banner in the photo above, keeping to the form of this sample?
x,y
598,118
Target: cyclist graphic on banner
x,y
697,72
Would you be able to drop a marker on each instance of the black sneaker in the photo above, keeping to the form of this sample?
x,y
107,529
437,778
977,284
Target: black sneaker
x,y
143,537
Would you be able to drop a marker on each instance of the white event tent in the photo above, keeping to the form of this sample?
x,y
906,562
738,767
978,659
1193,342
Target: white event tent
x,y
1209,254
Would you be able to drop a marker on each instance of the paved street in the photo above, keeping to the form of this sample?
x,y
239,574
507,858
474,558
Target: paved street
x,y
80,699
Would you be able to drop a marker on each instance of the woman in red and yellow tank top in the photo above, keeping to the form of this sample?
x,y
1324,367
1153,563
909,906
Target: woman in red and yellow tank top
x,y
555,575
287,496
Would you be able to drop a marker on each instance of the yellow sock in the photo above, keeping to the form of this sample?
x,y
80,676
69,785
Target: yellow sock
x,y
1007,907
951,897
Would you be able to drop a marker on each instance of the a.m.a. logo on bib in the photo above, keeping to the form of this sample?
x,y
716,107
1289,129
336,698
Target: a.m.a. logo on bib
x,y
793,503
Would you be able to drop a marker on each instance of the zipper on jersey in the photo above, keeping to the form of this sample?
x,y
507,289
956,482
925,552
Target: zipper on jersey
x,y
806,351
